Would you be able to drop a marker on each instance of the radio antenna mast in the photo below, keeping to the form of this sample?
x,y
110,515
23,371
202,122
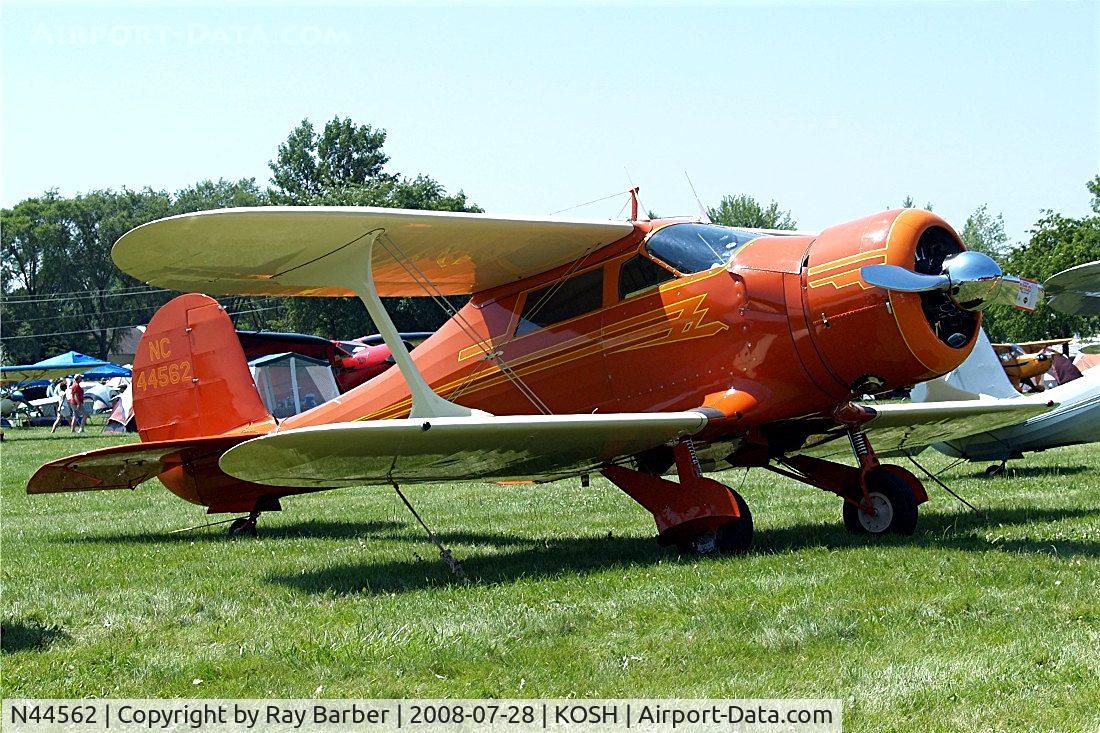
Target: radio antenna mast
x,y
703,216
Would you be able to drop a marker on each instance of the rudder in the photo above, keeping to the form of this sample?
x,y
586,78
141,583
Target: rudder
x,y
190,375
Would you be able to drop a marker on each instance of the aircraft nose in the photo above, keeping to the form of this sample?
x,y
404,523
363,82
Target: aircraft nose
x,y
884,298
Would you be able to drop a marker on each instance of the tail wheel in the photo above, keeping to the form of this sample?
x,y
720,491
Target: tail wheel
x,y
243,527
894,508
734,537
995,470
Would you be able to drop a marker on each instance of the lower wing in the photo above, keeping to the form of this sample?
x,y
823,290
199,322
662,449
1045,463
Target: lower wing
x,y
490,448
910,427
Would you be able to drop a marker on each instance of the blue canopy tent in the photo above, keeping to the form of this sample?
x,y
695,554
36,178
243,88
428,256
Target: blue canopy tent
x,y
107,371
62,365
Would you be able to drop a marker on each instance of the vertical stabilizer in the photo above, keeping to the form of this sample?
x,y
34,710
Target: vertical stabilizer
x,y
190,376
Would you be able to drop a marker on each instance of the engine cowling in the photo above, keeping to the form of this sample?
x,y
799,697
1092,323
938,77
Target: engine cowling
x,y
871,339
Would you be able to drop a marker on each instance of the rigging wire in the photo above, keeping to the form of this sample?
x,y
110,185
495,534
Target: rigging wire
x,y
424,282
593,201
55,316
577,263
81,295
465,325
113,328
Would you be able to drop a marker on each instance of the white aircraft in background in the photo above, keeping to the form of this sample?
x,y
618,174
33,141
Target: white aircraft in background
x,y
1075,420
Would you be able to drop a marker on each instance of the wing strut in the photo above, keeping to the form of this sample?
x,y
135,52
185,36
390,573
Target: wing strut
x,y
352,266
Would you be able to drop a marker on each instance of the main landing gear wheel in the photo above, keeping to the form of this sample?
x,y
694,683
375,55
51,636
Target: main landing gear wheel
x,y
894,508
996,469
734,537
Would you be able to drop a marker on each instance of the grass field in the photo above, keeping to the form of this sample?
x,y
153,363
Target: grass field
x,y
974,624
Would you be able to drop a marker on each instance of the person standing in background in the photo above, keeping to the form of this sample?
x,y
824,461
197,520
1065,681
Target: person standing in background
x,y
60,400
76,405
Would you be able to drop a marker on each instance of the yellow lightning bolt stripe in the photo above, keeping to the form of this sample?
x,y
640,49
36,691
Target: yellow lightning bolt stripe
x,y
652,328
833,264
850,275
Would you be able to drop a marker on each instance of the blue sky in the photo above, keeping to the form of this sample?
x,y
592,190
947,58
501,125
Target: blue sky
x,y
834,110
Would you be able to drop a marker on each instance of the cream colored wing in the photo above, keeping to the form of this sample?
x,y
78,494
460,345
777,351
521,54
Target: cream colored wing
x,y
245,251
912,426
540,447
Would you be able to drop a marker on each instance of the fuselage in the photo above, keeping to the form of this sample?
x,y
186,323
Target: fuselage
x,y
756,327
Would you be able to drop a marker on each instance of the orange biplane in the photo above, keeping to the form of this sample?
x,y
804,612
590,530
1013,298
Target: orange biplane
x,y
637,349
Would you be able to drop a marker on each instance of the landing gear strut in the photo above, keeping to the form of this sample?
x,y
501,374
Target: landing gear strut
x,y
245,526
698,515
879,498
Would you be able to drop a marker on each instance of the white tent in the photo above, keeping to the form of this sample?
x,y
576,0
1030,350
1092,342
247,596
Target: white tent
x,y
290,383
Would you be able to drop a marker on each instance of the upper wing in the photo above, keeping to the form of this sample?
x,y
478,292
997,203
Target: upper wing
x,y
30,372
543,447
1030,346
244,250
912,426
1077,290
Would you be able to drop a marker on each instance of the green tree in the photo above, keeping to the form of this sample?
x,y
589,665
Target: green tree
x,y
985,233
744,211
58,278
1057,243
910,203
65,285
219,194
345,166
344,154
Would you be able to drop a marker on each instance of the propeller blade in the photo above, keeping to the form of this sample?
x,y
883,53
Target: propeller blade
x,y
892,277
974,281
978,282
1016,292
1076,291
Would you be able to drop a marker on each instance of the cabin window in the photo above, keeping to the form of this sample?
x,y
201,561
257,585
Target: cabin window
x,y
692,247
560,301
641,273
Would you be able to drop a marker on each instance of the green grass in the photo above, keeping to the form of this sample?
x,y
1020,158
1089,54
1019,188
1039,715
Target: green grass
x,y
973,624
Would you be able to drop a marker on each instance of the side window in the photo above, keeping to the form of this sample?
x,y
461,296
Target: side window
x,y
561,301
640,273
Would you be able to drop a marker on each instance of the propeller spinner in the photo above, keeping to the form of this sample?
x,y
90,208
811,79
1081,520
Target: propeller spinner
x,y
974,281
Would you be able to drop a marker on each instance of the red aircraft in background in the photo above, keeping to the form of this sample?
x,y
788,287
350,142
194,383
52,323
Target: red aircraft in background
x,y
352,362
631,348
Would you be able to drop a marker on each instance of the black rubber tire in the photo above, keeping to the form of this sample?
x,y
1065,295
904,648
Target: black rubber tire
x,y
732,538
995,469
851,519
735,536
902,502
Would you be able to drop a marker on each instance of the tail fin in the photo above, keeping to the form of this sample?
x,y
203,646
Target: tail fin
x,y
191,378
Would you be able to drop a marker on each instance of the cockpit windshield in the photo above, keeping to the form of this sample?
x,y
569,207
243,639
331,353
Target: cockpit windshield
x,y
690,247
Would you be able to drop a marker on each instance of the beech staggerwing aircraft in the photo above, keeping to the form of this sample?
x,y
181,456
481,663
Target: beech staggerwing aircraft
x,y
641,350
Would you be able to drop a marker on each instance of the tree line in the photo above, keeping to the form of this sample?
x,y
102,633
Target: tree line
x,y
62,291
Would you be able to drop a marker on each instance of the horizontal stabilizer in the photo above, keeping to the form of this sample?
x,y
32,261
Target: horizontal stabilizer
x,y
539,447
123,466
